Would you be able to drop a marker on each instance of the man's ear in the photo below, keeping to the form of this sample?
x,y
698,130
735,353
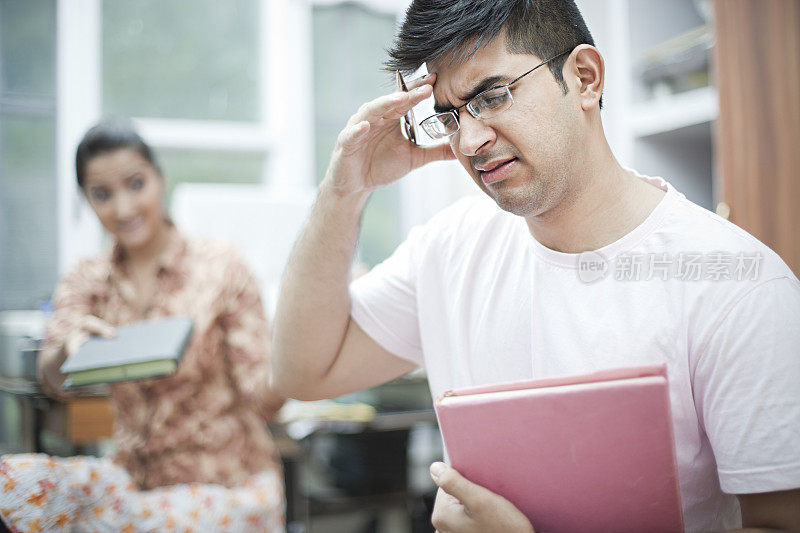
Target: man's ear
x,y
584,70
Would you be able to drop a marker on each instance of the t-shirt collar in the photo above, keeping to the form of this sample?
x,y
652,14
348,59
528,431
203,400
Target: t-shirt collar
x,y
624,243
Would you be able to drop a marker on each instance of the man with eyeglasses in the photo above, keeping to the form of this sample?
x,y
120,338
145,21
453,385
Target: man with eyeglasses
x,y
493,289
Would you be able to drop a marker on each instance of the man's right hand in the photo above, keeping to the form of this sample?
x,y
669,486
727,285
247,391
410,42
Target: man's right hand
x,y
50,376
371,151
318,351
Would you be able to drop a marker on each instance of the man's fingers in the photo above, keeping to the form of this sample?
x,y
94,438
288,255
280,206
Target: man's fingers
x,y
397,104
349,137
419,91
448,514
428,79
456,485
385,110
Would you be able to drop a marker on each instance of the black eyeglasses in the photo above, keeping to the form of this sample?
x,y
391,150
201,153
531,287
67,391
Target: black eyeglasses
x,y
486,104
408,118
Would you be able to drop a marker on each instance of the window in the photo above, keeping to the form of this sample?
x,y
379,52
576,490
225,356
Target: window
x,y
240,91
28,240
189,166
195,59
347,73
190,73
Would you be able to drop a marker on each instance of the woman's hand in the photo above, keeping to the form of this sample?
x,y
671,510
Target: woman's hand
x,y
50,376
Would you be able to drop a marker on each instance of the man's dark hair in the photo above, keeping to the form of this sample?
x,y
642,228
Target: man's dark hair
x,y
107,136
434,29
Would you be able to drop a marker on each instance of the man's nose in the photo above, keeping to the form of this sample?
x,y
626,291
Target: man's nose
x,y
473,134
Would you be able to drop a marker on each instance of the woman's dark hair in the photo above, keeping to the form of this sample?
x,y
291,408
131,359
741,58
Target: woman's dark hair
x,y
107,136
436,28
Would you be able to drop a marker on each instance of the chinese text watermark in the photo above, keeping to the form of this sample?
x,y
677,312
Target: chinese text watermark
x,y
684,266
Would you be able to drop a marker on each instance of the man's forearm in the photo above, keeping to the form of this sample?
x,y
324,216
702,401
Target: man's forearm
x,y
313,314
314,304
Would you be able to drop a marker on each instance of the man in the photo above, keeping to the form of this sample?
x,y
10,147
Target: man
x,y
494,289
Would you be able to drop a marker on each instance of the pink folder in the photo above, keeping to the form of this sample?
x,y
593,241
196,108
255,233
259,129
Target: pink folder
x,y
579,454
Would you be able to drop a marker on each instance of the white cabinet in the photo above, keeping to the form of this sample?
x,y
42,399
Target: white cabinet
x,y
660,104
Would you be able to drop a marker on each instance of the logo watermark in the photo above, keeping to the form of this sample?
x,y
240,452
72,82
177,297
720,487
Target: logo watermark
x,y
684,266
591,267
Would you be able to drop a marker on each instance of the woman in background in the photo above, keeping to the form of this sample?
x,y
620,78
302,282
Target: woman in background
x,y
192,449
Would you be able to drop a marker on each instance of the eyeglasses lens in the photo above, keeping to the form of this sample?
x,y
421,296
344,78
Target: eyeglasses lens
x,y
440,126
490,103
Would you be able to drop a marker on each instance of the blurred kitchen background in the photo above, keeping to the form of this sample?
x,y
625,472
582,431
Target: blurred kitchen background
x,y
242,101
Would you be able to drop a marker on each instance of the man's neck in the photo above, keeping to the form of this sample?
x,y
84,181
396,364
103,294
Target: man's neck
x,y
608,203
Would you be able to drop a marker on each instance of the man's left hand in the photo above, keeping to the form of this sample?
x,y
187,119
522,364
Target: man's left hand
x,y
464,507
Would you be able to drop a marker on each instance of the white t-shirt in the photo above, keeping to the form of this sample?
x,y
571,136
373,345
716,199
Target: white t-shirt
x,y
474,299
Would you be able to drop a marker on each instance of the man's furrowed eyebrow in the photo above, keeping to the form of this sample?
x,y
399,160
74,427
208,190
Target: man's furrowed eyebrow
x,y
484,84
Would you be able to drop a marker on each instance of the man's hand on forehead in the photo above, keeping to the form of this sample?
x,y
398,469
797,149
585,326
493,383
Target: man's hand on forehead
x,y
371,151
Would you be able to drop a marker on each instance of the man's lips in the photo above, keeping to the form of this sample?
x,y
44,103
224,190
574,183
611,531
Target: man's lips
x,y
495,171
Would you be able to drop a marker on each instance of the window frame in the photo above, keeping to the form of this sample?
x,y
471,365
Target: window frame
x,y
283,136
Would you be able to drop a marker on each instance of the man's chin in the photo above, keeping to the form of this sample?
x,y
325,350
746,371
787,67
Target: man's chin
x,y
513,207
512,199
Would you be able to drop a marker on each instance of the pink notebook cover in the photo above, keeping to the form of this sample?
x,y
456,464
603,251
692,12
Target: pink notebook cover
x,y
580,454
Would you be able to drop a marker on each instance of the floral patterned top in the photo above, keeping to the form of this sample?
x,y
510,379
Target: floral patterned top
x,y
207,422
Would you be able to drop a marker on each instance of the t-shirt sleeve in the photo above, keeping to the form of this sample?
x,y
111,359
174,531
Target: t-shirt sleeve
x,y
747,390
384,301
